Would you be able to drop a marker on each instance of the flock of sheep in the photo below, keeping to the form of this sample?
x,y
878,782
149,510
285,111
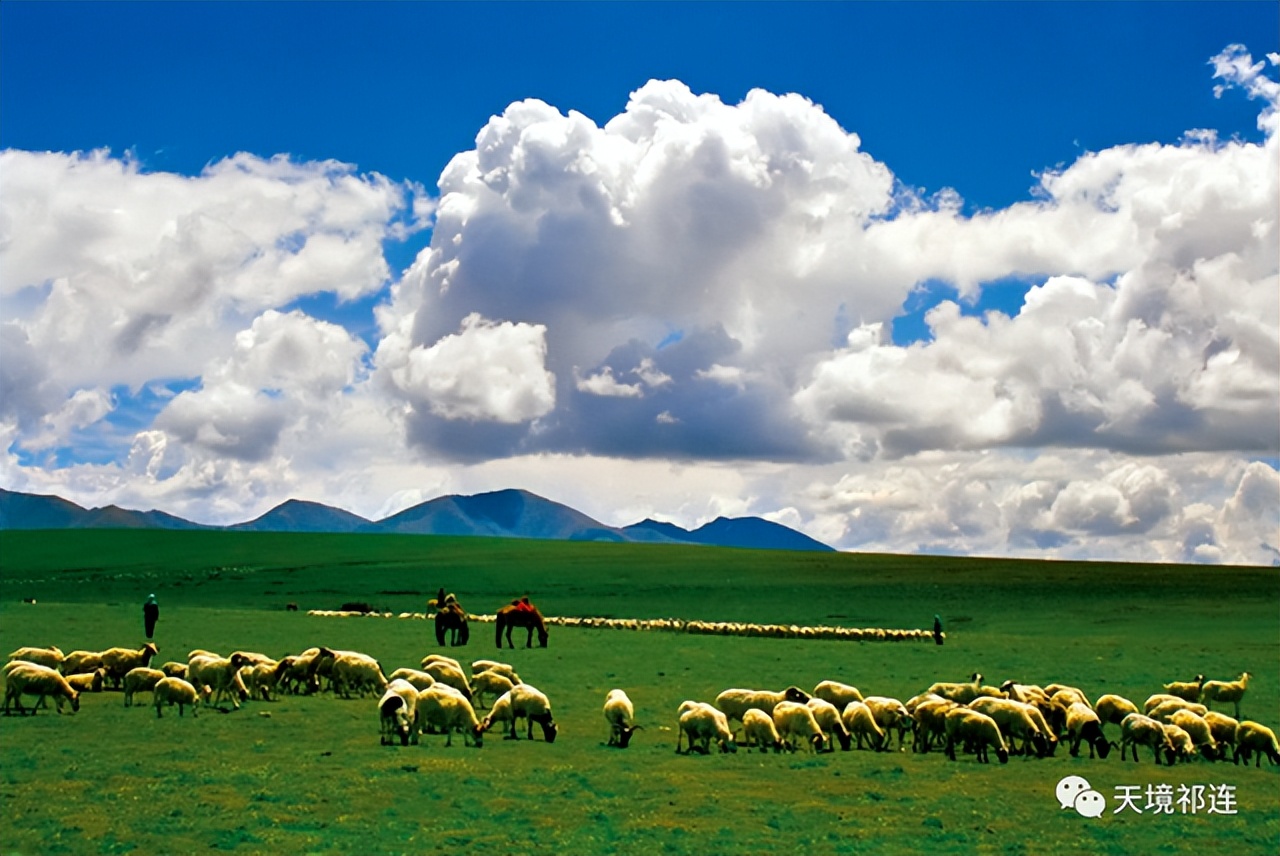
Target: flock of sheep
x,y
440,697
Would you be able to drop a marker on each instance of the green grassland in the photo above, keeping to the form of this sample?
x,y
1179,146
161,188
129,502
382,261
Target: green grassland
x,y
307,774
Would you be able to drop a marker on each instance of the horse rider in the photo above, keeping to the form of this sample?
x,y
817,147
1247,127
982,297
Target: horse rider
x,y
523,605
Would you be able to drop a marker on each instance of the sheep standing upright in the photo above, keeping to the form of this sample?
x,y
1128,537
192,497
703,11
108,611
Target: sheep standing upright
x,y
119,661
398,713
140,680
1231,691
1254,737
1188,690
170,691
620,713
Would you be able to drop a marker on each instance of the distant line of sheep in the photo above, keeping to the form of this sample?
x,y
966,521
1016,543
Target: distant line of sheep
x,y
679,625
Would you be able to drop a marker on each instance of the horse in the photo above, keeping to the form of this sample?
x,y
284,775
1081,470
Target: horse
x,y
509,617
455,621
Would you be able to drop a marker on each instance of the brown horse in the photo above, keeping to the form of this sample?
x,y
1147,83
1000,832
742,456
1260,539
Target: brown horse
x,y
509,617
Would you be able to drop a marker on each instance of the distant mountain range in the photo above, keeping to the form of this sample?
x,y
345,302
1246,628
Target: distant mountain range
x,y
501,514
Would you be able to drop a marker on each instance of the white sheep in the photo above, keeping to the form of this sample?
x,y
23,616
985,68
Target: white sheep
x,y
356,672
170,691
261,678
50,657
891,715
733,703
1188,690
504,669
837,693
221,674
489,683
174,669
1112,708
758,730
442,707
1183,746
961,693
81,662
118,661
398,713
701,723
1138,729
40,681
1025,693
420,679
829,721
796,721
1200,731
1155,700
1254,737
1165,710
448,673
861,723
978,732
1222,727
91,683
620,713
1084,724
1231,691
930,718
1018,720
140,680
527,702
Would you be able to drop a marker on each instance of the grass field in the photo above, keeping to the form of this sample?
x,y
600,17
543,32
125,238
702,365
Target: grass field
x,y
307,775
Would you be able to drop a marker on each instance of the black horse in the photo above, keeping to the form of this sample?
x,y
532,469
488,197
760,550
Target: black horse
x,y
454,622
509,617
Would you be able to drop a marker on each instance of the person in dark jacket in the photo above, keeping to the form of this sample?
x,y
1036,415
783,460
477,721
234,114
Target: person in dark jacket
x,y
150,612
937,629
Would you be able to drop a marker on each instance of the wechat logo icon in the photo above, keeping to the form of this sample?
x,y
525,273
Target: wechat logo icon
x,y
1075,792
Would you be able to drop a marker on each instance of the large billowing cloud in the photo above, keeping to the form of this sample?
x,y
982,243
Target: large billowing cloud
x,y
686,311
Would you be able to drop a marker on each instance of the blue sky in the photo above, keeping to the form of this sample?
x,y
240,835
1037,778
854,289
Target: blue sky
x,y
982,99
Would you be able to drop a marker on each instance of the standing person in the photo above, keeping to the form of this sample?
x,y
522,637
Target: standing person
x,y
150,612
937,629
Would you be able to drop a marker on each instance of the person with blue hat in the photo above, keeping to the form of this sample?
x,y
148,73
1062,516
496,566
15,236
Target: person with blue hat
x,y
150,612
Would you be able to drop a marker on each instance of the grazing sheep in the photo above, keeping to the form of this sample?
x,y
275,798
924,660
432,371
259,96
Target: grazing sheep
x,y
50,657
1164,710
81,662
1200,732
1083,724
88,683
701,723
1018,720
420,679
861,723
442,707
1187,690
523,701
916,700
795,720
1254,737
1183,746
758,730
299,671
1223,728
978,732
891,715
140,680
1231,691
733,703
930,719
356,672
398,713
1138,729
1112,709
489,683
173,669
118,661
440,658
261,678
448,673
620,714
170,691
1067,696
504,669
837,693
1157,699
961,693
1025,693
40,681
829,721
221,674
